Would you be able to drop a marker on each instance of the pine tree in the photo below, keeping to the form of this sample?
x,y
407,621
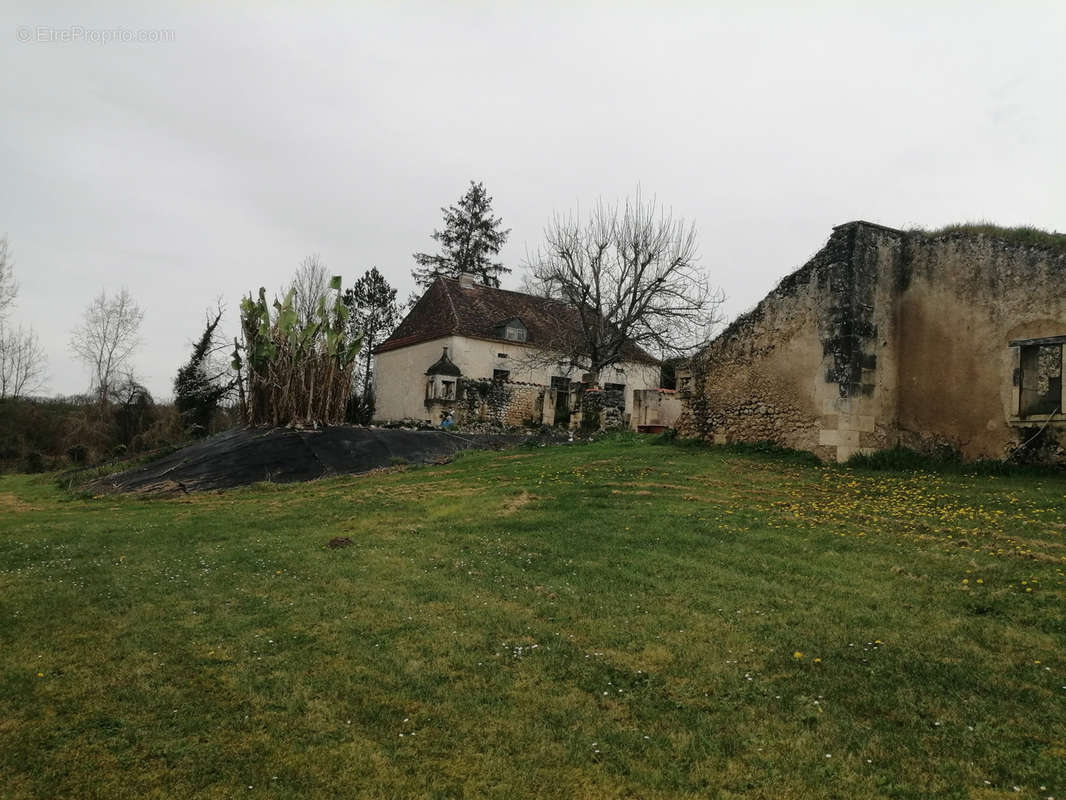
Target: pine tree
x,y
374,312
470,238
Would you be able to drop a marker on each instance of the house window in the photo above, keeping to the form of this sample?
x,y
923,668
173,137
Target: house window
x,y
501,375
513,330
561,383
1040,377
501,355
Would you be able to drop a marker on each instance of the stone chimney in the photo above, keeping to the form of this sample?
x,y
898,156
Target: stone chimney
x,y
466,280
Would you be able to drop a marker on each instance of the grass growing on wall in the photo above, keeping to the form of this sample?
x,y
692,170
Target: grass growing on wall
x,y
1022,235
598,620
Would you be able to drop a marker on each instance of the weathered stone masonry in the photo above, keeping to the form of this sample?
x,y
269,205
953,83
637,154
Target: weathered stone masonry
x,y
887,338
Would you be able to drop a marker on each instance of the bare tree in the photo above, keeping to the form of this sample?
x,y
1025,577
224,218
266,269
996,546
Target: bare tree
x,y
23,363
630,277
8,287
309,285
106,338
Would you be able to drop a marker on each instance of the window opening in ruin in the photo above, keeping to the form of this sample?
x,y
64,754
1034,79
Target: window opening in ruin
x,y
501,375
449,389
1040,379
501,355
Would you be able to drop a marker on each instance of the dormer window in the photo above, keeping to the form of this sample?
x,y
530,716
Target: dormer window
x,y
513,330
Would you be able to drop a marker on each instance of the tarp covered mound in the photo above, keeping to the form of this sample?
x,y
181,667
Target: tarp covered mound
x,y
285,455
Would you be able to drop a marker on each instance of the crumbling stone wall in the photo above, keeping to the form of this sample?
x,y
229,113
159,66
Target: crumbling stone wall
x,y
883,338
499,403
964,299
602,409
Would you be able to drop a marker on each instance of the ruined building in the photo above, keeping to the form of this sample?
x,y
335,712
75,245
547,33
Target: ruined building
x,y
887,338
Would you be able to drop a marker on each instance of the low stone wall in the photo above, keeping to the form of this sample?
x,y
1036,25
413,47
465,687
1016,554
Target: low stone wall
x,y
500,403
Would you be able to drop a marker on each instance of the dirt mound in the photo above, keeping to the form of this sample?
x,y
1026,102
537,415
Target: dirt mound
x,y
284,455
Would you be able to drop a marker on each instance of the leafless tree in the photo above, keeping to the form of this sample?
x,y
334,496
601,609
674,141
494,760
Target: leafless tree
x,y
8,287
23,363
629,274
106,338
310,285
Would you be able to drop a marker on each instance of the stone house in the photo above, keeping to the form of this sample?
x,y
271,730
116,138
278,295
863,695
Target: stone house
x,y
952,340
496,356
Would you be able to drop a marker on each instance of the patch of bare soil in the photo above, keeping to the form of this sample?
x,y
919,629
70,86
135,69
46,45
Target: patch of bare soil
x,y
518,501
9,502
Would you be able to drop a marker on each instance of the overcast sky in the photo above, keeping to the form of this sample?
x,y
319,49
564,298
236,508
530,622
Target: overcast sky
x,y
211,164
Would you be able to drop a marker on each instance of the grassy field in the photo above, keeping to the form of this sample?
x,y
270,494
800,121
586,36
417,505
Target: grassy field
x,y
621,619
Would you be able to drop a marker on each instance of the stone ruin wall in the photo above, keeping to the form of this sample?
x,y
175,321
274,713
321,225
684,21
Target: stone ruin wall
x,y
964,298
499,403
809,367
882,338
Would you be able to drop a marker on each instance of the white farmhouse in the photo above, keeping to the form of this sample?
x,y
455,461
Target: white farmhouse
x,y
492,355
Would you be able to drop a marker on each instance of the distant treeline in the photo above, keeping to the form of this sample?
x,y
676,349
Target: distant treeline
x,y
40,434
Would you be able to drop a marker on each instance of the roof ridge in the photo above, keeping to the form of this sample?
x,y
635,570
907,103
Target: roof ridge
x,y
509,291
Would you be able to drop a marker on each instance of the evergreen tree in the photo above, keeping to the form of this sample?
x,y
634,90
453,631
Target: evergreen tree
x,y
374,312
471,237
197,392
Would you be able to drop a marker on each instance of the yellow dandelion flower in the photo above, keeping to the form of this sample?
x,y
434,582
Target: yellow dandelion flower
x,y
817,661
797,654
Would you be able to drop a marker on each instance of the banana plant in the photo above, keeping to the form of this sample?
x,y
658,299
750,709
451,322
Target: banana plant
x,y
297,373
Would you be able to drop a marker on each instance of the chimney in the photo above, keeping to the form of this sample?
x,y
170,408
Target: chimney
x,y
466,280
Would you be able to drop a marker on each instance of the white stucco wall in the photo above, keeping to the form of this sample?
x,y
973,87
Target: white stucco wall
x,y
400,375
400,379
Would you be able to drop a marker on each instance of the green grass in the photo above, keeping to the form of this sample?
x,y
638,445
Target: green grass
x,y
613,619
1025,235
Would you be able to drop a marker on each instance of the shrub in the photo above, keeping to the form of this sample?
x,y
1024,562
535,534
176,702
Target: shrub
x,y
34,462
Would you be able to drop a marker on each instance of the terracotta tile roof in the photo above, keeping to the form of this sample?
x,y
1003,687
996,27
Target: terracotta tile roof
x,y
446,309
